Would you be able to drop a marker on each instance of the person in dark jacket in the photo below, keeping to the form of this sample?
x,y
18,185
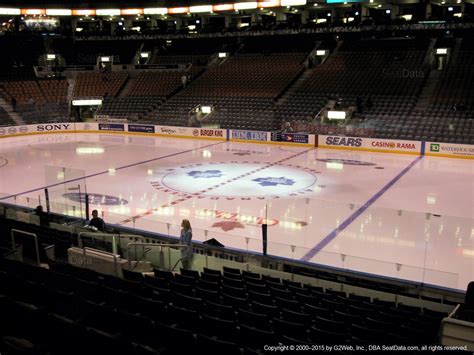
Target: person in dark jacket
x,y
13,102
97,222
43,216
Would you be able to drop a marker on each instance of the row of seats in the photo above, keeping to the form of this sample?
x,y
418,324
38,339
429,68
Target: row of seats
x,y
49,112
38,91
236,312
132,107
229,112
5,119
161,83
456,87
99,84
256,76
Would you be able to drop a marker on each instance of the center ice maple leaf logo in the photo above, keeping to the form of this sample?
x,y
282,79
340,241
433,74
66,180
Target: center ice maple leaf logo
x,y
228,225
274,181
207,174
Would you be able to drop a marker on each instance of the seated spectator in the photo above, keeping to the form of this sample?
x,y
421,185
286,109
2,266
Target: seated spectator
x,y
43,216
359,104
287,128
368,103
97,222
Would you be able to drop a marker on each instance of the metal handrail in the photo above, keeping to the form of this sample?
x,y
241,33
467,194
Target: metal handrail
x,y
105,235
318,114
454,312
35,237
134,244
96,251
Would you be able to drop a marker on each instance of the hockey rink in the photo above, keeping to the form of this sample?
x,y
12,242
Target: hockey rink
x,y
396,215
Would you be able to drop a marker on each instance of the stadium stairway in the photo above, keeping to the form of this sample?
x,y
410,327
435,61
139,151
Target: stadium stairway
x,y
13,115
128,84
70,88
428,90
456,50
294,88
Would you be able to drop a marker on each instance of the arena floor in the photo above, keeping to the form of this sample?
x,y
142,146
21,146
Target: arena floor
x,y
396,215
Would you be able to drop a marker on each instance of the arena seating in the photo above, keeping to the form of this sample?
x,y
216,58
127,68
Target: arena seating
x,y
264,82
245,78
162,83
362,68
451,109
38,91
146,92
64,309
448,116
456,85
99,84
5,119
216,310
256,76
230,112
50,112
134,108
38,100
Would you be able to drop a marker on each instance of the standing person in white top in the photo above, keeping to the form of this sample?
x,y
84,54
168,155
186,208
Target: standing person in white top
x,y
186,239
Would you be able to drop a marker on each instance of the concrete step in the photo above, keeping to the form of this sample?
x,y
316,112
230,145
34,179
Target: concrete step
x,y
15,116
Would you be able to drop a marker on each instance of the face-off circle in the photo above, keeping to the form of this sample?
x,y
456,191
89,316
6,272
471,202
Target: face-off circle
x,y
3,162
235,180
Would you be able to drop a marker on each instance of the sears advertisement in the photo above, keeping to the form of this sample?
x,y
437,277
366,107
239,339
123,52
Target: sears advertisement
x,y
370,144
115,127
141,128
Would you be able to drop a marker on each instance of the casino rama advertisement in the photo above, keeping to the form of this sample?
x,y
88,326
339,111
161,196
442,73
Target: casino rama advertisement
x,y
370,144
